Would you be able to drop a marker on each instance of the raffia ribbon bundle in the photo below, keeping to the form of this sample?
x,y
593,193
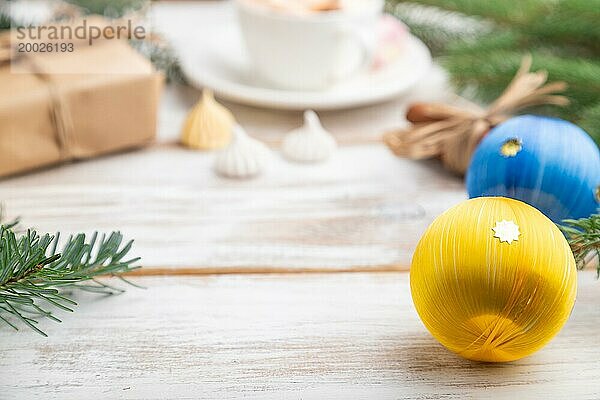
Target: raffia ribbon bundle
x,y
452,133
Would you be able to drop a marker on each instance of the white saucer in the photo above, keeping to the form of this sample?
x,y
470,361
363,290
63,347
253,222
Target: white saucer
x,y
217,60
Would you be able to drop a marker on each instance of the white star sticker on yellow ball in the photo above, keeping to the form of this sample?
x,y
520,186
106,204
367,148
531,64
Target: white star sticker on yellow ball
x,y
506,231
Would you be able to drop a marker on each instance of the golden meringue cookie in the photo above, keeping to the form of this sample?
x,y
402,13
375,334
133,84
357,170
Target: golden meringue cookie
x,y
309,143
208,125
244,158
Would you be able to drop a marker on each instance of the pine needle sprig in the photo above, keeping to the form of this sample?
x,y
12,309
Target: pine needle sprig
x,y
502,12
590,120
563,38
584,237
438,28
33,274
490,71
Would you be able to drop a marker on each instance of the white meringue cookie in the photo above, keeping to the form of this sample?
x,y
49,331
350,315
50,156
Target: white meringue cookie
x,y
245,157
309,143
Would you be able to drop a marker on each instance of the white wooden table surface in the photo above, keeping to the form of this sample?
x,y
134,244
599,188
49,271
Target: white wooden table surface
x,y
293,285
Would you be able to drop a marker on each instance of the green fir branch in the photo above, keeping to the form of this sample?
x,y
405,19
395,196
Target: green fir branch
x,y
437,28
562,36
584,238
502,12
489,72
568,22
590,121
33,272
5,20
493,70
163,57
109,8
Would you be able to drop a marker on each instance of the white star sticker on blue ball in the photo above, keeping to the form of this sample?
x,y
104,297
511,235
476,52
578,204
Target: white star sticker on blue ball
x,y
506,231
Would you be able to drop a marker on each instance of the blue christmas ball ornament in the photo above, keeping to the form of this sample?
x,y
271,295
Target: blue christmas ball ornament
x,y
549,163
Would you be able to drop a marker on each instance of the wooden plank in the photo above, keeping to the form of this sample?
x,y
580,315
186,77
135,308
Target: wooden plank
x,y
365,209
281,336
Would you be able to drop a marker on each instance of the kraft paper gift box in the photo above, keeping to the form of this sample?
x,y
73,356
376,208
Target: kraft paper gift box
x,y
109,105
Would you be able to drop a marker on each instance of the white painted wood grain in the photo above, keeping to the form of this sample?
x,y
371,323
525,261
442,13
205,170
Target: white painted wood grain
x,y
310,336
296,336
364,208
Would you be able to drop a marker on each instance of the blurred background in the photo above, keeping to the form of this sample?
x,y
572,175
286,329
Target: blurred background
x,y
249,147
171,101
480,45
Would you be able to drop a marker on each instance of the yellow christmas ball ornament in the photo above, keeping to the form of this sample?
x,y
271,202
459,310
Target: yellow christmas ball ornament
x,y
493,279
208,125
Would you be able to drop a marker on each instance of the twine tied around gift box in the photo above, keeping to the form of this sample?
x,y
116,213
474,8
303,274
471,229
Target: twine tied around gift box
x,y
59,112
452,133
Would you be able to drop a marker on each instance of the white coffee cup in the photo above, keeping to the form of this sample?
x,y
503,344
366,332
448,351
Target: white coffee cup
x,y
308,51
